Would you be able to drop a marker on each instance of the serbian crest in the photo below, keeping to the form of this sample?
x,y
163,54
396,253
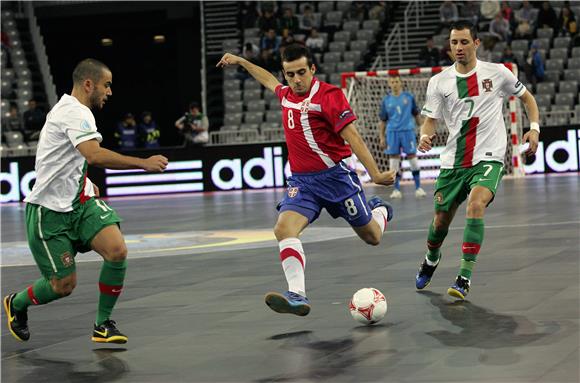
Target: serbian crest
x,y
292,192
487,85
304,106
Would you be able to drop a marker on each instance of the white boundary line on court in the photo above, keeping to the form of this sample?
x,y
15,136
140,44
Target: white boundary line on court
x,y
352,234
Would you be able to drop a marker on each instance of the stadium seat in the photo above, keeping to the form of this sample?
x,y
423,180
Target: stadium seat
x,y
555,64
337,46
574,62
545,33
233,95
500,46
321,76
250,83
249,127
561,108
546,88
273,116
288,5
257,105
251,32
576,52
346,66
333,18
372,25
332,57
233,119
325,6
343,36
561,42
354,56
543,43
520,45
565,99
13,138
273,103
232,85
335,79
359,45
270,125
230,73
544,100
229,128
365,34
234,107
559,53
351,26
329,67
252,95
553,76
343,6
570,86
572,74
254,117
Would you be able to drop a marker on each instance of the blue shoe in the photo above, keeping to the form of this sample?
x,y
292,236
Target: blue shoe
x,y
376,201
460,288
424,274
288,303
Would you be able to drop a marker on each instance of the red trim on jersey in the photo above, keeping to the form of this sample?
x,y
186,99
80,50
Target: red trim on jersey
x,y
470,142
110,290
472,86
290,252
470,248
31,295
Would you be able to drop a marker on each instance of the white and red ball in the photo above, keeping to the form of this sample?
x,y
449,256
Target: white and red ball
x,y
368,305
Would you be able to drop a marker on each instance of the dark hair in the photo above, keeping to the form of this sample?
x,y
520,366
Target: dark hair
x,y
463,24
88,69
296,51
194,104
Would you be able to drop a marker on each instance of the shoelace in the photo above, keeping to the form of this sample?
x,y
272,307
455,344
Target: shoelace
x,y
295,296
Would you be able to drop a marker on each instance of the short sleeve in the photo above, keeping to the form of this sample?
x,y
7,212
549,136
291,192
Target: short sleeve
x,y
81,127
280,91
337,110
511,86
383,115
433,102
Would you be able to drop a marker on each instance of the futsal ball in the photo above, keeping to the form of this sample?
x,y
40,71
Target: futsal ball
x,y
368,306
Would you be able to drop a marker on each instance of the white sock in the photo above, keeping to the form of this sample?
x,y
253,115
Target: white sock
x,y
414,164
293,264
380,216
394,164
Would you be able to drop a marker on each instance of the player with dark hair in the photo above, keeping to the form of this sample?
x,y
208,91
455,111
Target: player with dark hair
x,y
398,115
469,97
63,214
317,121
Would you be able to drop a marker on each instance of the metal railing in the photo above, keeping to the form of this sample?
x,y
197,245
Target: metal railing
x,y
40,51
416,9
394,41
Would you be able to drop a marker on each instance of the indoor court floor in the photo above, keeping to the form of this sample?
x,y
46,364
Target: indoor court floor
x,y
200,264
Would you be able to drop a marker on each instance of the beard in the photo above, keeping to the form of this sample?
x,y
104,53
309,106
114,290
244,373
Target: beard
x,y
95,101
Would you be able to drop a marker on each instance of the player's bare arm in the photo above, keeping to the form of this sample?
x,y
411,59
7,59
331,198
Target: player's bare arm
x,y
358,146
533,136
264,77
105,158
427,134
382,139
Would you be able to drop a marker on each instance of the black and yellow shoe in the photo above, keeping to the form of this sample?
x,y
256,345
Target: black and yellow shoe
x,y
108,333
17,320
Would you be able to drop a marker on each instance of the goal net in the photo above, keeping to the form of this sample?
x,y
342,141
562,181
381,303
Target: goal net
x,y
365,91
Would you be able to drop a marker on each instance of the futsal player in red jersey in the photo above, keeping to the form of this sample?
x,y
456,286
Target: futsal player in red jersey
x,y
320,131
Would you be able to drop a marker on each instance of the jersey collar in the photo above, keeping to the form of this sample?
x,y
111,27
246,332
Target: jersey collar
x,y
468,73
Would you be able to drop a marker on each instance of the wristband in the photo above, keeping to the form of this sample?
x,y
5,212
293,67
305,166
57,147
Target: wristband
x,y
535,126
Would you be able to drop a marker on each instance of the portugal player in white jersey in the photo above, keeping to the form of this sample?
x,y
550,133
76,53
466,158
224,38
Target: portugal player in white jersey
x,y
317,121
63,214
469,96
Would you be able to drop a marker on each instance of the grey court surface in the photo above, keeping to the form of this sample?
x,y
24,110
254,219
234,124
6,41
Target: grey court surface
x,y
200,265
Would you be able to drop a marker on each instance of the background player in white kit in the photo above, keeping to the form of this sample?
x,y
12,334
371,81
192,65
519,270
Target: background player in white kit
x,y
469,96
64,217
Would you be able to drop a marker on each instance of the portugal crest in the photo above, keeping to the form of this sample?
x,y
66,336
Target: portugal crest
x,y
487,85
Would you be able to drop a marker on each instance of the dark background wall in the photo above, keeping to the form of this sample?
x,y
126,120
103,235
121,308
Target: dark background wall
x,y
161,78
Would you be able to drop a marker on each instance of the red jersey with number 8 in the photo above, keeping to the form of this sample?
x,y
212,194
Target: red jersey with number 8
x,y
312,125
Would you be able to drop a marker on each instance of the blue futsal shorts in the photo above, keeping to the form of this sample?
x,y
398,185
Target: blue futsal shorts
x,y
337,189
404,139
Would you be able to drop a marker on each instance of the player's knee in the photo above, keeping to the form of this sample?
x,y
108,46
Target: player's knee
x,y
282,231
117,253
441,223
475,208
63,287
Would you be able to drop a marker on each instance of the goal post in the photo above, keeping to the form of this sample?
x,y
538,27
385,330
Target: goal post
x,y
365,91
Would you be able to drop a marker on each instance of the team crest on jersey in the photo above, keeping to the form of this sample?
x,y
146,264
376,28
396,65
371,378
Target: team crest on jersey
x,y
67,259
487,85
292,192
85,125
438,198
304,106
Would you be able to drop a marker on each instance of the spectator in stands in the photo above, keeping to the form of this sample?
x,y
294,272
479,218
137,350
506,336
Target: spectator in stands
x,y
358,11
488,9
429,55
248,14
194,126
508,56
447,15
525,19
252,53
315,42
33,119
13,122
288,23
508,14
500,28
270,45
547,17
567,22
470,12
309,21
267,21
126,133
378,11
534,66
446,56
147,132
485,51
